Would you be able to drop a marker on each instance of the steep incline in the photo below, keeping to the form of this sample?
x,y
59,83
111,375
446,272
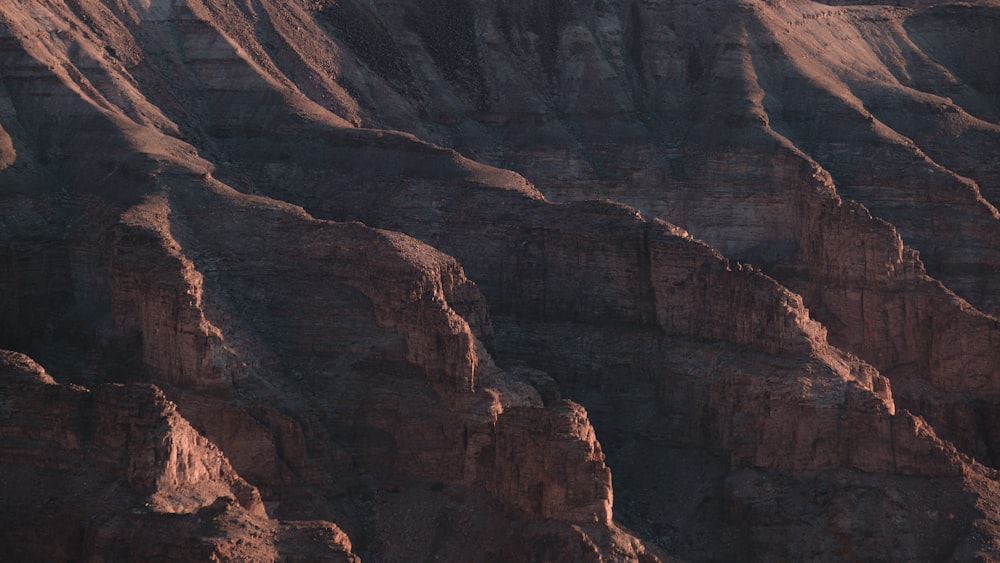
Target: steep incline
x,y
181,185
747,136
117,471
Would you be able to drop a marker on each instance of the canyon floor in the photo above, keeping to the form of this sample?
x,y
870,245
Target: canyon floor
x,y
608,280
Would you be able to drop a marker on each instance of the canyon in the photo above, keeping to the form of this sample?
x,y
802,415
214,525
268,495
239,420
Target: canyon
x,y
661,280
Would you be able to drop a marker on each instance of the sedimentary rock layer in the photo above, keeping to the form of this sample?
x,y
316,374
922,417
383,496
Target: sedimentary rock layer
x,y
403,274
117,471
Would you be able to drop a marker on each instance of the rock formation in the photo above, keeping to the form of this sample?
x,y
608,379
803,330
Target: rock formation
x,y
485,281
117,471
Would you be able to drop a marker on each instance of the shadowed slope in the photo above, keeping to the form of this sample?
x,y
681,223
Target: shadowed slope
x,y
348,372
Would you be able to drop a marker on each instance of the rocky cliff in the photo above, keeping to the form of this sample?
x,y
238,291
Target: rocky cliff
x,y
117,471
480,281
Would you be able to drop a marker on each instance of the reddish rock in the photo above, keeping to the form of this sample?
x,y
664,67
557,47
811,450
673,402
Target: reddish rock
x,y
550,465
395,351
117,472
349,372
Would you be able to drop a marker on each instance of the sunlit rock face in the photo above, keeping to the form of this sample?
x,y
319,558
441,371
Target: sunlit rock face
x,y
494,281
116,470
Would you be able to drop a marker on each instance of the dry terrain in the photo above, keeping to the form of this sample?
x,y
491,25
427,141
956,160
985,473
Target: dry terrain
x,y
479,280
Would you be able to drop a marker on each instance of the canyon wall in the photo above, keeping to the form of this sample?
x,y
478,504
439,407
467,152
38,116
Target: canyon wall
x,y
116,470
613,282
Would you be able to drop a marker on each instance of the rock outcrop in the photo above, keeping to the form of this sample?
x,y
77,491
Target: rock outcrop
x,y
118,471
535,473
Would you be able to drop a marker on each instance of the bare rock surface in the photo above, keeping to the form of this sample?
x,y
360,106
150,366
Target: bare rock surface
x,y
117,471
472,281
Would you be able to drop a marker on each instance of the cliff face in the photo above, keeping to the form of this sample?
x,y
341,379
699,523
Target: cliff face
x,y
612,102
416,279
536,475
102,471
400,387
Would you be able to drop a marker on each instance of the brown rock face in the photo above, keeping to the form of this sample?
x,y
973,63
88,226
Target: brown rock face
x,y
394,322
118,471
158,298
292,250
550,465
131,433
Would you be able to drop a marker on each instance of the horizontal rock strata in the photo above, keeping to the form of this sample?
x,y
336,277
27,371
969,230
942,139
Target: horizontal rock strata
x,y
406,280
